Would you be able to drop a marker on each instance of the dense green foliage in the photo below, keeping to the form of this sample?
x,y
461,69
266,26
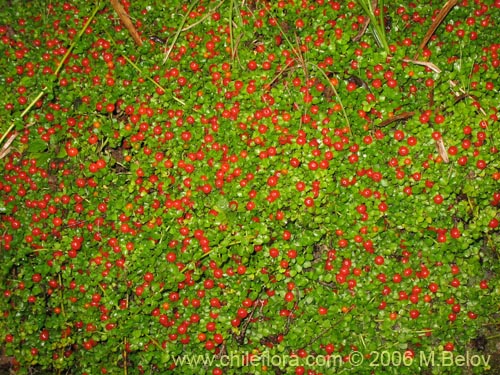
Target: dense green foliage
x,y
259,178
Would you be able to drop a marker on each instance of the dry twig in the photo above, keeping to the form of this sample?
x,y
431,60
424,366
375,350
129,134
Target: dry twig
x,y
402,116
364,27
126,21
440,17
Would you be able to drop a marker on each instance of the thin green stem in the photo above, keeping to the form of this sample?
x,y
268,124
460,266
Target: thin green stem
x,y
58,69
179,30
150,79
136,67
197,260
210,13
294,47
336,95
26,110
377,25
233,10
155,342
78,36
381,24
231,35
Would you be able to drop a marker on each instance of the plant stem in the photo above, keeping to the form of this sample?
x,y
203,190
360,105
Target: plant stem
x,y
381,26
231,35
179,30
212,11
78,36
378,26
125,370
61,296
126,21
151,79
136,67
58,69
337,96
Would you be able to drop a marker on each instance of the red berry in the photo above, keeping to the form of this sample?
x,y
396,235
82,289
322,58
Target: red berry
x,y
309,202
438,199
433,287
448,347
493,224
436,135
252,65
483,284
72,152
44,335
322,310
414,314
148,277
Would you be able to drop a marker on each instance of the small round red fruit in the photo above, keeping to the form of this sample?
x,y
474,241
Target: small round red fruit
x,y
414,314
309,202
493,224
449,347
44,335
148,277
252,65
322,310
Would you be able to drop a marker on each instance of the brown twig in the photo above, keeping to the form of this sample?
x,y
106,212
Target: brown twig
x,y
465,95
126,21
402,116
431,100
440,17
6,147
240,339
364,27
280,73
362,30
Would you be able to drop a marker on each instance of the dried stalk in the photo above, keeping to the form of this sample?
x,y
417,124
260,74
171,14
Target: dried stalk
x,y
427,64
440,17
442,150
126,21
402,116
365,25
5,150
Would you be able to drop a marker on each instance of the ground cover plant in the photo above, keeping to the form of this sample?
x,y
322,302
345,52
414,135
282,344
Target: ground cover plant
x,y
280,182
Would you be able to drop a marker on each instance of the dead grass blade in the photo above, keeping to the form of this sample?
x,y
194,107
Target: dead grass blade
x,y
5,150
402,116
209,14
440,17
442,150
427,64
464,95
